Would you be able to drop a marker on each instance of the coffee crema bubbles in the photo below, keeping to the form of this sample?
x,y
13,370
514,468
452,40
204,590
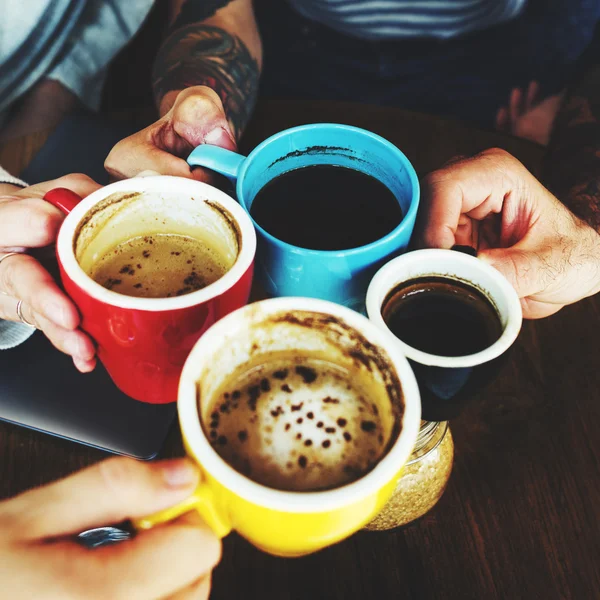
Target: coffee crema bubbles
x,y
297,424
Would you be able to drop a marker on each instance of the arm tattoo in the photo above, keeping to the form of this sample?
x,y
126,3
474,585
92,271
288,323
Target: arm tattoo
x,y
572,162
197,54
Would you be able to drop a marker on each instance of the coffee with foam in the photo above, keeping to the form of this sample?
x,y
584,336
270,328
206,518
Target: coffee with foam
x,y
159,266
156,244
298,423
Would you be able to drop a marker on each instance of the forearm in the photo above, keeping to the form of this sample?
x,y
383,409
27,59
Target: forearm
x,y
213,43
572,163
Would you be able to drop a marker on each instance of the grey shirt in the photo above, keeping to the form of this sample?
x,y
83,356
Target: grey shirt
x,y
70,41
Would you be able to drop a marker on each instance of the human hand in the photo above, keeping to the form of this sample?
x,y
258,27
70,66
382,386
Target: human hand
x,y
196,117
527,117
28,222
40,559
494,204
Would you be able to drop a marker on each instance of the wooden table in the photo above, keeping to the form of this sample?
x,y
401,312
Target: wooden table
x,y
521,516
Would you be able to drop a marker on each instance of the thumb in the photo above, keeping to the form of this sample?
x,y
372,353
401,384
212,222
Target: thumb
x,y
199,118
524,270
108,492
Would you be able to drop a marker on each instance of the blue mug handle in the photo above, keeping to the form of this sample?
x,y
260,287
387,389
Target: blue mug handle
x,y
217,159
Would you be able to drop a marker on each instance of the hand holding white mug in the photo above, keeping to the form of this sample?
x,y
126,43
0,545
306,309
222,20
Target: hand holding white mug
x,y
28,222
494,204
39,557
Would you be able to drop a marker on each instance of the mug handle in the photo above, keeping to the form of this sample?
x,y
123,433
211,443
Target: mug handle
x,y
63,199
202,501
217,159
465,250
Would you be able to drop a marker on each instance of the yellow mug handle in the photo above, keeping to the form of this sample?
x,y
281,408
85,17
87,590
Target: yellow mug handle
x,y
202,501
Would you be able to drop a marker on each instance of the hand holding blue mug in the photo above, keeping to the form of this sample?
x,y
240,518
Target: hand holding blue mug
x,y
340,275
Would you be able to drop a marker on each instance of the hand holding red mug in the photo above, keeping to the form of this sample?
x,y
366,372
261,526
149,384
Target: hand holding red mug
x,y
144,339
26,223
493,203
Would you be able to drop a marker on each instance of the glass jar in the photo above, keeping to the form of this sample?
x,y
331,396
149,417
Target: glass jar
x,y
423,478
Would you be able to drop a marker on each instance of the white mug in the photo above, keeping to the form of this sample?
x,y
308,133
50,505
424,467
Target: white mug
x,y
448,382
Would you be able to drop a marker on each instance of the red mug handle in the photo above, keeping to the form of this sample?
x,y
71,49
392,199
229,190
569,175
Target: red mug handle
x,y
63,199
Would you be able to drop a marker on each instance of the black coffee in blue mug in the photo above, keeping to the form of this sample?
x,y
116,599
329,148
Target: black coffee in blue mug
x,y
311,244
326,208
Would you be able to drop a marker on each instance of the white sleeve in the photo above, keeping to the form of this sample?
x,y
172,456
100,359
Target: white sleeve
x,y
11,333
6,177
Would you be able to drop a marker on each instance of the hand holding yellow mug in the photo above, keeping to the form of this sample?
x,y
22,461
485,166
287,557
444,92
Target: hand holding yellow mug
x,y
307,456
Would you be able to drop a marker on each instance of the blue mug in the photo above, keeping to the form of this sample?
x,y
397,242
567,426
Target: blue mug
x,y
340,276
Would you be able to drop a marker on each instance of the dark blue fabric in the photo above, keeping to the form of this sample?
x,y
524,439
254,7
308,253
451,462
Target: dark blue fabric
x,y
80,144
468,77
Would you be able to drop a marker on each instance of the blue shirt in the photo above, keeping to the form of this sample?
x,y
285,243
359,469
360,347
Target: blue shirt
x,y
403,19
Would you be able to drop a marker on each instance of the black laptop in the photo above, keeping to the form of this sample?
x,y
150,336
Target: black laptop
x,y
41,389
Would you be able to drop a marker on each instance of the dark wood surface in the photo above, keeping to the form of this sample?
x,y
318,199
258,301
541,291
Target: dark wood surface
x,y
521,516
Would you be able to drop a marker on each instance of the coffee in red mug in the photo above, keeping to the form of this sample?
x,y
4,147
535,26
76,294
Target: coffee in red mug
x,y
151,263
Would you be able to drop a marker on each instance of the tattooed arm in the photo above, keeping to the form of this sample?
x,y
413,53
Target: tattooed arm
x,y
205,84
572,162
212,43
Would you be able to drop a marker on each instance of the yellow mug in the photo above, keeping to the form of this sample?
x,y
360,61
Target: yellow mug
x,y
279,522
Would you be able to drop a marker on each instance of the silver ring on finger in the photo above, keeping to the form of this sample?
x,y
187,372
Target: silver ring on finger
x,y
4,257
20,315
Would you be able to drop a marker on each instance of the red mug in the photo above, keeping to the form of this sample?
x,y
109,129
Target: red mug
x,y
143,342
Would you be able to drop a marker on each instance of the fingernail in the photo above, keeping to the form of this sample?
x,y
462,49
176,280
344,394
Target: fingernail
x,y
84,366
147,173
219,136
179,473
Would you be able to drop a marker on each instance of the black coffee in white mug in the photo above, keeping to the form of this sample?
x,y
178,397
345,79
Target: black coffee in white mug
x,y
454,317
442,316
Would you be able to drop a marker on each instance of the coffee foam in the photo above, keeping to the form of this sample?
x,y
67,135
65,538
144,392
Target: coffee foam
x,y
124,216
297,423
159,266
